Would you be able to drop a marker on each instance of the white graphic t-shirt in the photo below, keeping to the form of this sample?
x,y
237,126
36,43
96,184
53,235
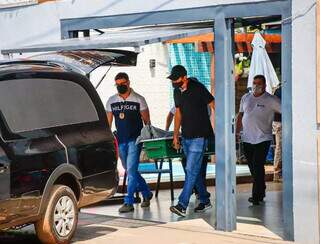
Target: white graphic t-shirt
x,y
127,115
258,115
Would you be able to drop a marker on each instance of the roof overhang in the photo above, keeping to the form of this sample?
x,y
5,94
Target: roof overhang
x,y
117,38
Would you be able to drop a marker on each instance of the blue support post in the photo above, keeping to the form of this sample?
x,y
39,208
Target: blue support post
x,y
287,153
225,125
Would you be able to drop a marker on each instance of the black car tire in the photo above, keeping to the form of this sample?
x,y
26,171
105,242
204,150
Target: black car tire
x,y
46,227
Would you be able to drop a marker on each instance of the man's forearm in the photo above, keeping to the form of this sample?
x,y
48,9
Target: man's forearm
x,y
169,121
146,117
177,124
239,123
110,119
147,122
212,117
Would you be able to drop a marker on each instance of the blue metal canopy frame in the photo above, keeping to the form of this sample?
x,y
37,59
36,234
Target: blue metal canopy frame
x,y
222,16
131,37
226,209
240,10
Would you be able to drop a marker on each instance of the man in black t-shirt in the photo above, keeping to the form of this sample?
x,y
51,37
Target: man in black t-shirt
x,y
191,100
205,159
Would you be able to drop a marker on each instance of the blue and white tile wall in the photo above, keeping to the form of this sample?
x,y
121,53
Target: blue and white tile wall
x,y
196,63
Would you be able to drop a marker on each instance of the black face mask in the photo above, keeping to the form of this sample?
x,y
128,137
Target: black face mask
x,y
122,89
177,85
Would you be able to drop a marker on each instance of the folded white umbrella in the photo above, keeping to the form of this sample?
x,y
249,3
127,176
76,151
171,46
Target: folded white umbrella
x,y
261,64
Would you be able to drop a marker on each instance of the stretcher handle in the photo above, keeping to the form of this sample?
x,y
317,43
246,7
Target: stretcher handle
x,y
151,148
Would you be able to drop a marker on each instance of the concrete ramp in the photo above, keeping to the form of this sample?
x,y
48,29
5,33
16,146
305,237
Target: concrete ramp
x,y
195,231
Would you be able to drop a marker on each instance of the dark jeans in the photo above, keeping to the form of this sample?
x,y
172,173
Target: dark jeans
x,y
256,155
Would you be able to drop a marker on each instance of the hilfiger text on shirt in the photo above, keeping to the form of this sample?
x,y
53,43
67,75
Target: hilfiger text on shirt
x,y
124,107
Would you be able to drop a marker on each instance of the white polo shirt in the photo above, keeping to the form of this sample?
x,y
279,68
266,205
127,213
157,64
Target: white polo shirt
x,y
257,117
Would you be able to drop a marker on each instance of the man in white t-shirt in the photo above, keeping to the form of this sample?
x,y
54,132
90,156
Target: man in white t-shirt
x,y
255,117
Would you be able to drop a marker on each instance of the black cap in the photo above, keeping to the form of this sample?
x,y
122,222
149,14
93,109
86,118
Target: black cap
x,y
177,72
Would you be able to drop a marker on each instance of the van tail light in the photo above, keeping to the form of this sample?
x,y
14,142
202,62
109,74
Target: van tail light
x,y
116,146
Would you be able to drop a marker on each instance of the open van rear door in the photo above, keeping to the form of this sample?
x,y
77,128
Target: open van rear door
x,y
86,61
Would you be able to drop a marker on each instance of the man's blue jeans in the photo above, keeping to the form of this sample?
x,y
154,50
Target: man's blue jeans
x,y
130,154
194,150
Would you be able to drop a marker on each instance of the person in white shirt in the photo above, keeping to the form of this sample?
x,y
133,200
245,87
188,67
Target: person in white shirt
x,y
255,117
170,117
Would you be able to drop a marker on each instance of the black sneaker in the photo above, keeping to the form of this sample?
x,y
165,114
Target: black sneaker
x,y
137,199
179,210
202,207
255,201
146,201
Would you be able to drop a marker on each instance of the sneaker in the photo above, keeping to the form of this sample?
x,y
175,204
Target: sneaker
x,y
202,207
137,199
179,210
146,201
255,201
126,208
260,199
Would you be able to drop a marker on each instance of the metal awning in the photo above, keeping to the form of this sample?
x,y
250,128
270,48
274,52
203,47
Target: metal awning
x,y
132,37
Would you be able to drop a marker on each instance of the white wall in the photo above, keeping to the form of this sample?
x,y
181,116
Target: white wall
x,y
150,83
29,25
107,8
305,170
41,23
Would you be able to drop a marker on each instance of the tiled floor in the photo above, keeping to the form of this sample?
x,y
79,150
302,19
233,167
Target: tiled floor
x,y
103,224
268,214
195,231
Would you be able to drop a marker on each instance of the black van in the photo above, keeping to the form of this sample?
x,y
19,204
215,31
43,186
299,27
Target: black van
x,y
57,152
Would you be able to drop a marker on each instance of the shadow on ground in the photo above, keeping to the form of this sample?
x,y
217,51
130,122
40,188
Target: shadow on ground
x,y
15,237
90,226
86,233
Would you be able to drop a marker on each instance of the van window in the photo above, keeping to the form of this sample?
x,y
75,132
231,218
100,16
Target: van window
x,y
29,104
